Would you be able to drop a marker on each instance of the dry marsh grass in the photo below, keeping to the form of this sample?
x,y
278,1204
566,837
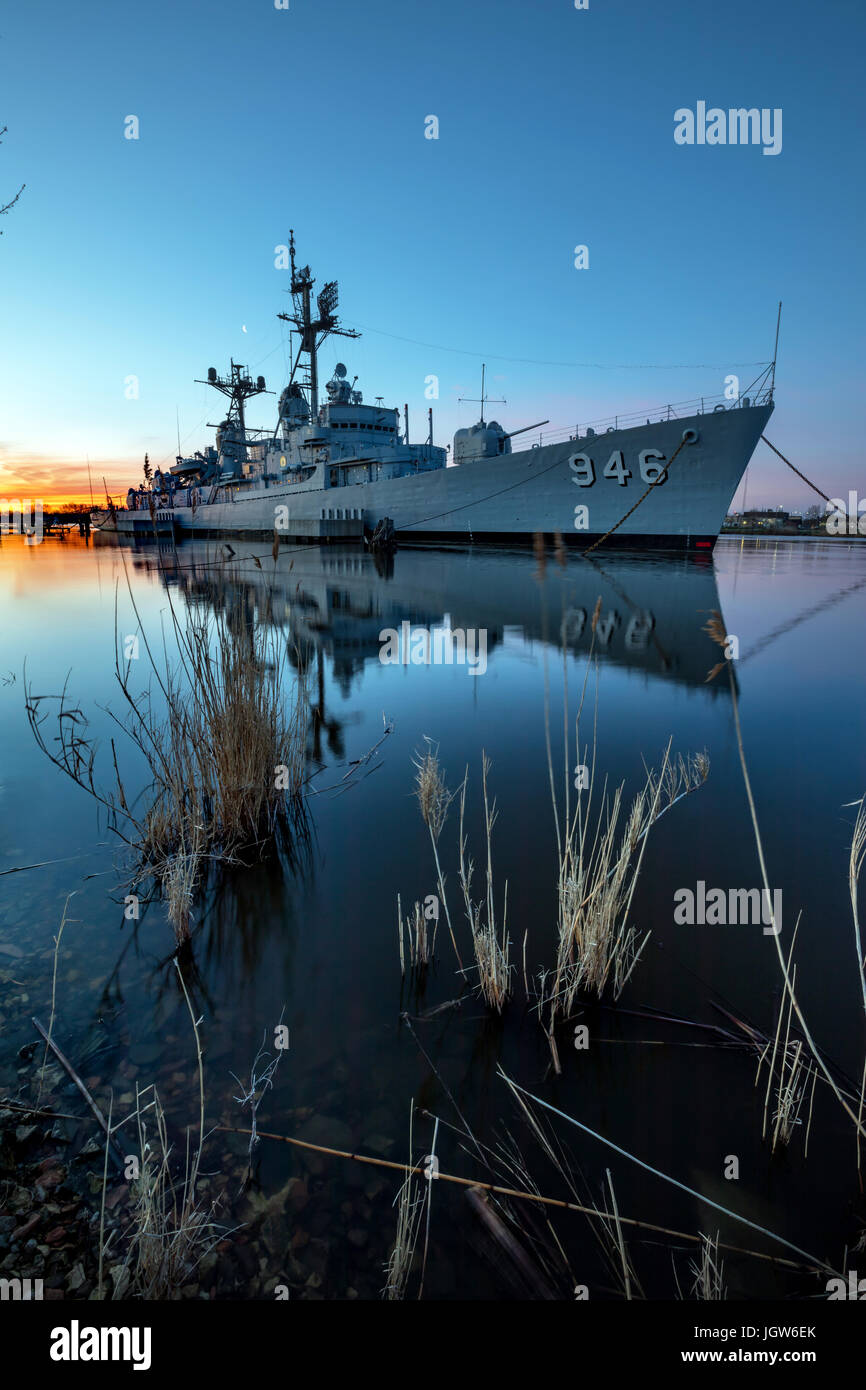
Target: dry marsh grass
x,y
224,759
601,851
221,729
410,1203
171,1228
708,1272
790,1069
614,1249
599,863
434,799
715,629
420,945
491,943
855,866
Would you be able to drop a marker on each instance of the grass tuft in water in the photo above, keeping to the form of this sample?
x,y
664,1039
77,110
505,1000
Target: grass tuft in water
x,y
222,731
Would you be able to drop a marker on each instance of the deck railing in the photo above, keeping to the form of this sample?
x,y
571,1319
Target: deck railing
x,y
698,405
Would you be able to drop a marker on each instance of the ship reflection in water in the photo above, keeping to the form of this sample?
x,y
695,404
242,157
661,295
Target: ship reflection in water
x,y
343,602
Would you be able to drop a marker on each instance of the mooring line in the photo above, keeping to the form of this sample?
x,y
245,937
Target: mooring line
x,y
660,479
663,474
796,470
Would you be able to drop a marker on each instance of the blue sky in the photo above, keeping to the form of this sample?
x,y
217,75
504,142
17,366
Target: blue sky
x,y
150,257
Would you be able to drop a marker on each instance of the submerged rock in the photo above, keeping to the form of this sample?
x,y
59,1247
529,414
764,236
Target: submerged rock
x,y
331,1133
378,1144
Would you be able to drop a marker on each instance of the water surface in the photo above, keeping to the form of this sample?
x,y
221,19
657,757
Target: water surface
x,y
318,938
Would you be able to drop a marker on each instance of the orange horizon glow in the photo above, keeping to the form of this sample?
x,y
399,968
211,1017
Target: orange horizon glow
x,y
58,483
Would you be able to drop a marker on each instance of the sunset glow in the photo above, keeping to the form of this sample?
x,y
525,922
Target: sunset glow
x,y
60,482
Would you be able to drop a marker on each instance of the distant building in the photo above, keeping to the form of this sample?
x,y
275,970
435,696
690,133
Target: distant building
x,y
769,519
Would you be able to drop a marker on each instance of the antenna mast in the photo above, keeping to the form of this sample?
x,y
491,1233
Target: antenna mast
x,y
239,387
776,349
495,400
310,328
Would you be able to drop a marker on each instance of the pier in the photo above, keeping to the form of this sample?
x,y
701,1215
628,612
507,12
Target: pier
x,y
54,522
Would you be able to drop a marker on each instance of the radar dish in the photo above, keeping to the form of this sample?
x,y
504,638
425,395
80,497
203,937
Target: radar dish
x,y
340,369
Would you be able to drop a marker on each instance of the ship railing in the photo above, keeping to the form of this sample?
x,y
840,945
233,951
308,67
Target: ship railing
x,y
609,424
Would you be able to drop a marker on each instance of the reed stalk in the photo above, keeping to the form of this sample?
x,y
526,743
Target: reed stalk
x,y
709,1271
614,1247
491,945
715,628
420,946
795,1071
410,1206
172,1230
434,800
56,953
855,865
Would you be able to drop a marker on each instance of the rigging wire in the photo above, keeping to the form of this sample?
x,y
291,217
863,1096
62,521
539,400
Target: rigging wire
x,y
542,362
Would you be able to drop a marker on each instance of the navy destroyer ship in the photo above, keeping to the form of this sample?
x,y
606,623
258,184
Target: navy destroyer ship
x,y
335,469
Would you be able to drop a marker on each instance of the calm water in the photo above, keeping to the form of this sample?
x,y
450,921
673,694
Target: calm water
x,y
320,940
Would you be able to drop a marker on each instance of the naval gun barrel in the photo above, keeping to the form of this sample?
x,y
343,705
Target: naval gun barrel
x,y
525,428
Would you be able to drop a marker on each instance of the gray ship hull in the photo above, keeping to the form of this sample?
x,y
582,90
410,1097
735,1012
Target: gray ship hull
x,y
516,495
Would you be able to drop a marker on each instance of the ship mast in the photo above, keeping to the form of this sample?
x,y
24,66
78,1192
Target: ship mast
x,y
313,331
239,387
484,398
